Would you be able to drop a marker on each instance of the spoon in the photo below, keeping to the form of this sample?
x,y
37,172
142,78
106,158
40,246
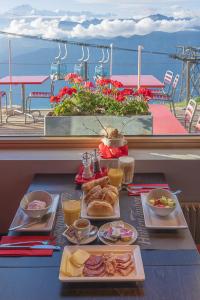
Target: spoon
x,y
177,192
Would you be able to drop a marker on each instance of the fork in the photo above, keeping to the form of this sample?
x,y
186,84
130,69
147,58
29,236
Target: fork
x,y
27,242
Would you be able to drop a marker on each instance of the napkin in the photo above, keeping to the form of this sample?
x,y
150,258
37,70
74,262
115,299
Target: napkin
x,y
146,188
26,252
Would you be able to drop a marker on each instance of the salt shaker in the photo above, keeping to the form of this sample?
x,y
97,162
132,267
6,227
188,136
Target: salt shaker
x,y
86,160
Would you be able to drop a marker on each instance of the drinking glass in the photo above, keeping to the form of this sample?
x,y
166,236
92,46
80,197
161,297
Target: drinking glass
x,y
115,177
71,208
127,164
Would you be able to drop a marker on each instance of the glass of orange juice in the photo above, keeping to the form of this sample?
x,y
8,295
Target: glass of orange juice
x,y
71,209
115,177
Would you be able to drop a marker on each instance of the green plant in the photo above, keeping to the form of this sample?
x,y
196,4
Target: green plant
x,y
107,98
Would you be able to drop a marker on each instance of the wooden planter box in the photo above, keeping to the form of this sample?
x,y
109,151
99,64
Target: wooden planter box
x,y
77,125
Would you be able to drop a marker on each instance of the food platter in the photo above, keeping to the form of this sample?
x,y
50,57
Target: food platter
x,y
105,227
100,200
113,252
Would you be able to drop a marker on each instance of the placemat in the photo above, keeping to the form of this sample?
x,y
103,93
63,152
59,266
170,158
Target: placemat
x,y
131,212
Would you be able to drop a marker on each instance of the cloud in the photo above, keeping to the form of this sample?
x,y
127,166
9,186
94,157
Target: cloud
x,y
107,28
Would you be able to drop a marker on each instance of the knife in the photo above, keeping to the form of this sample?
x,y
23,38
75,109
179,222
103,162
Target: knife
x,y
132,187
47,247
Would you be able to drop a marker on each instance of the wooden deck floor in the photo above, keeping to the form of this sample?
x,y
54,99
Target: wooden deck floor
x,y
16,124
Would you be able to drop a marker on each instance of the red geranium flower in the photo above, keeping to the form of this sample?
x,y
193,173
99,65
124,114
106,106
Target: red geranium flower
x,y
116,84
120,96
103,81
78,79
70,76
127,92
66,91
107,91
89,85
55,99
147,94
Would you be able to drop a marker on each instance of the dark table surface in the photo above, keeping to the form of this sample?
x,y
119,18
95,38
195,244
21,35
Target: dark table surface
x,y
170,274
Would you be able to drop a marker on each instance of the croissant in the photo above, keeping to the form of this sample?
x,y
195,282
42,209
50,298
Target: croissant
x,y
94,190
86,187
95,196
113,189
109,196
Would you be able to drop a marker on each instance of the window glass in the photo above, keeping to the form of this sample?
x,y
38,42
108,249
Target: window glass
x,y
112,84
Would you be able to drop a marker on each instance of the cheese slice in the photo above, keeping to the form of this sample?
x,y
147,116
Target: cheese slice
x,y
66,256
79,257
73,271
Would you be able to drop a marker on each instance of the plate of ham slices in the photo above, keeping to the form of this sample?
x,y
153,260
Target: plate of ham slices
x,y
101,263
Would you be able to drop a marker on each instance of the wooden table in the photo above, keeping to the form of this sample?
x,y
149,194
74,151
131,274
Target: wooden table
x,y
170,274
23,81
131,81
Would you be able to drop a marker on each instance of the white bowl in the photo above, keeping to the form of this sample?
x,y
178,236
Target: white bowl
x,y
158,193
36,195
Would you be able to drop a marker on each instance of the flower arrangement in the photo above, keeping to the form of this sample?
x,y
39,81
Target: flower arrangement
x,y
105,97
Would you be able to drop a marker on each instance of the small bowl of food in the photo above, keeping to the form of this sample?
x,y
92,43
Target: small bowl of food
x,y
36,204
162,202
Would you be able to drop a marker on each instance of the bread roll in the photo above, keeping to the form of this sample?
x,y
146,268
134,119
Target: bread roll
x,y
86,187
99,209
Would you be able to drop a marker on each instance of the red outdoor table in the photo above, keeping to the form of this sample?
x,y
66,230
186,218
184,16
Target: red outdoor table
x,y
131,81
23,81
164,122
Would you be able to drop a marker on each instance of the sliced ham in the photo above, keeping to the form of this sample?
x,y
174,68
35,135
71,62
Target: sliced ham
x,y
125,272
93,273
93,260
123,258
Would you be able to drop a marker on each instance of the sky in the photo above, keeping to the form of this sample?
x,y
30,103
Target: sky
x,y
126,18
123,8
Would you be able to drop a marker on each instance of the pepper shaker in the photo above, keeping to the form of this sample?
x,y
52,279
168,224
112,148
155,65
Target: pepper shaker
x,y
96,162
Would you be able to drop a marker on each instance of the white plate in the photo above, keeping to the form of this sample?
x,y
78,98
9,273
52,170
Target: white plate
x,y
45,225
116,210
136,275
175,220
84,241
107,242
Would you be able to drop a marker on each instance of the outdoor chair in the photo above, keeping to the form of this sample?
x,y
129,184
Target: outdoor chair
x,y
3,95
189,114
168,97
167,84
36,95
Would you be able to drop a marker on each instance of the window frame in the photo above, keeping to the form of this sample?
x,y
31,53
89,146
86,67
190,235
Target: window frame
x,y
150,142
